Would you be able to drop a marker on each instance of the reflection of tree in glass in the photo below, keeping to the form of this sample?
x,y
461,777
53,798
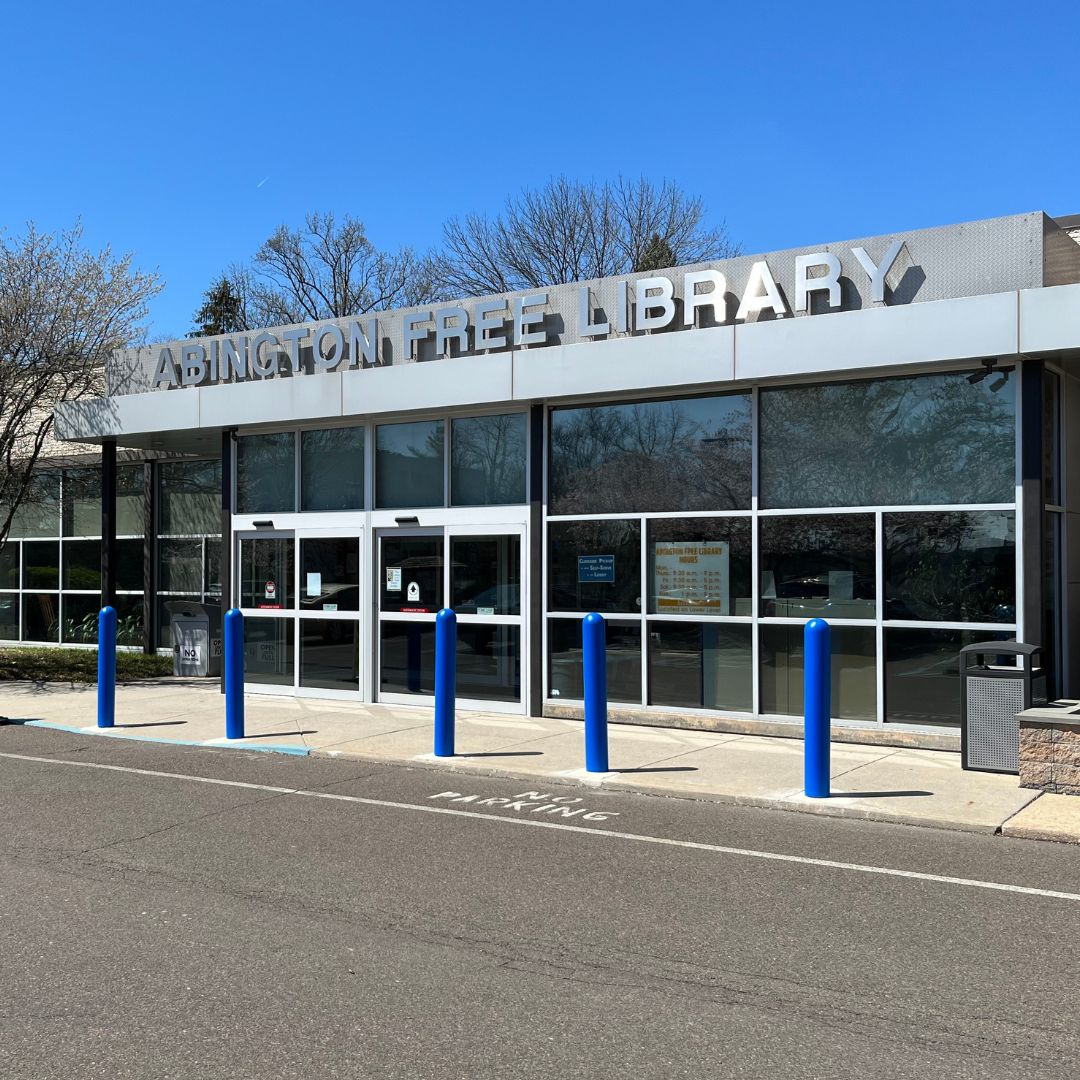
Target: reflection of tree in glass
x,y
489,458
902,441
801,551
191,497
667,455
957,566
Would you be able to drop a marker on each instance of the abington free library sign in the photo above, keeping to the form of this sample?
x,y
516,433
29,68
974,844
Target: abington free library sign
x,y
872,431
642,303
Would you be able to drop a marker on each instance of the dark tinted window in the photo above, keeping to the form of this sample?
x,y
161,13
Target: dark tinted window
x,y
954,566
926,439
691,454
594,566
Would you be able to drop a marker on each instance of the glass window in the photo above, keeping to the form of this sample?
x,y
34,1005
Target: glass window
x,y
689,454
485,575
129,620
82,502
130,502
41,565
265,473
9,566
854,678
409,464
330,574
9,617
700,567
180,566
82,565
489,662
189,497
705,665
565,669
923,439
39,512
79,625
266,573
1051,402
330,654
594,566
487,460
957,566
412,573
129,565
268,651
40,617
407,658
818,566
332,469
922,673
213,569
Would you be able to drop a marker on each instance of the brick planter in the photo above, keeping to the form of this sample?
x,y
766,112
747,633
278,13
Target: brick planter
x,y
1050,748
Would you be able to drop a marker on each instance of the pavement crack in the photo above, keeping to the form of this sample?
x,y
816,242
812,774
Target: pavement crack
x,y
179,824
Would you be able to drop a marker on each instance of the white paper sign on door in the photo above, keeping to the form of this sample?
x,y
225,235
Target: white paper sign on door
x,y
413,593
393,579
314,584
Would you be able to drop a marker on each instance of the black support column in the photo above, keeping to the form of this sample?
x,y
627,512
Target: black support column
x,y
1031,501
150,561
226,532
535,658
108,523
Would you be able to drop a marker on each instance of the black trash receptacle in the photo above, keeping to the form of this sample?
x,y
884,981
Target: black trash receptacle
x,y
998,679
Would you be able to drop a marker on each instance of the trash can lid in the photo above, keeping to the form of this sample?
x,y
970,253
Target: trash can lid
x,y
1002,648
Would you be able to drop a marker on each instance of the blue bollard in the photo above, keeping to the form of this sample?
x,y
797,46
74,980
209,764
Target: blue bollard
x,y
445,681
106,668
594,662
234,674
817,700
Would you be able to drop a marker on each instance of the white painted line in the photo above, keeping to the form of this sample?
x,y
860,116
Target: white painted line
x,y
611,834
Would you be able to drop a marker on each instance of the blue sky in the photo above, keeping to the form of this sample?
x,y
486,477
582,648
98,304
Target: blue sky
x,y
797,123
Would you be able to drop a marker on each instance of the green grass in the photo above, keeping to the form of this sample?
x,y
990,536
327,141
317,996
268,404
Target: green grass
x,y
77,665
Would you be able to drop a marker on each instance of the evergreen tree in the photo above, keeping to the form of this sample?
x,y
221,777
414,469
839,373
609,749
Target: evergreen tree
x,y
222,311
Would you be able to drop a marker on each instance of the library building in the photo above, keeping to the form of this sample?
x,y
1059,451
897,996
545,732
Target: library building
x,y
879,432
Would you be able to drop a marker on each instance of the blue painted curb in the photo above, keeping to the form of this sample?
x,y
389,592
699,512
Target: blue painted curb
x,y
112,733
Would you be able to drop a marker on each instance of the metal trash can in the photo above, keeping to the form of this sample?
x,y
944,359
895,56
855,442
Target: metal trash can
x,y
196,630
992,691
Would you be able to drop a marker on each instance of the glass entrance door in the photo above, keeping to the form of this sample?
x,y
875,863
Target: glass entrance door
x,y
476,571
300,592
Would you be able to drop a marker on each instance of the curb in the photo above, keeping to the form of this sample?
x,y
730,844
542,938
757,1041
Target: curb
x,y
211,744
607,781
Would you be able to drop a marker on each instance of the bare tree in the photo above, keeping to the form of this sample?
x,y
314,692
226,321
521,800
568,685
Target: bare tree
x,y
573,231
63,310
328,269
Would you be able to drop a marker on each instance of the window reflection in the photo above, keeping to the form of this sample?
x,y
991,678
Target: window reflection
x,y
925,439
700,666
565,669
332,469
853,671
691,454
595,566
189,497
818,566
487,456
922,673
957,566
409,464
265,473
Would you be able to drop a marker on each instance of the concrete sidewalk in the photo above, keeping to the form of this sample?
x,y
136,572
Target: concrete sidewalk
x,y
922,787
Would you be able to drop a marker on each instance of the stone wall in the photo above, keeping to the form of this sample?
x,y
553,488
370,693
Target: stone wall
x,y
1050,754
